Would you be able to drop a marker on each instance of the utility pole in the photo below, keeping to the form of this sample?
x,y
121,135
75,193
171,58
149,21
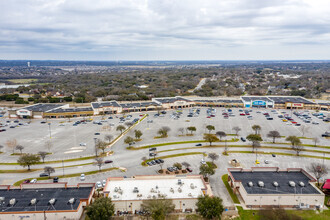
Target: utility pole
x,y
50,132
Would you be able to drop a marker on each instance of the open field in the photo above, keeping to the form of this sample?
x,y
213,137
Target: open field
x,y
22,81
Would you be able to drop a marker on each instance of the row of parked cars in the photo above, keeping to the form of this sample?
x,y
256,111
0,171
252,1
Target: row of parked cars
x,y
155,162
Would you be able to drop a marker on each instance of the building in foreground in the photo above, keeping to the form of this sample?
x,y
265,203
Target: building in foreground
x,y
44,201
128,193
263,187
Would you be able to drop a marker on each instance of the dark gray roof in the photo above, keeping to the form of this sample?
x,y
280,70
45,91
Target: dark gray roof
x,y
281,177
42,107
105,104
43,195
171,100
221,101
256,98
138,104
284,99
324,103
60,110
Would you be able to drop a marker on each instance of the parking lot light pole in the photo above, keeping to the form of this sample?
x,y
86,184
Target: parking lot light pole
x,y
50,132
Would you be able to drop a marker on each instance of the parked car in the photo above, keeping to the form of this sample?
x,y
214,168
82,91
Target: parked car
x,y
161,160
273,155
33,181
43,174
198,145
243,139
326,134
152,149
153,162
82,144
108,161
26,181
104,182
98,184
189,169
82,177
152,154
203,162
97,133
149,163
55,179
266,162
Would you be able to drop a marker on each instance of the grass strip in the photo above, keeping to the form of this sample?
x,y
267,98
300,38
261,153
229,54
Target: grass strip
x,y
144,163
69,175
230,191
278,153
306,145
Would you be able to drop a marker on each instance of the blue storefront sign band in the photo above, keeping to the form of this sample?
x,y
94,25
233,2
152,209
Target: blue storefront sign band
x,y
259,103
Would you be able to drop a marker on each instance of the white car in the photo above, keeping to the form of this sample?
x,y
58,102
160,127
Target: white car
x,y
104,182
98,184
82,177
315,123
33,181
82,144
288,123
203,162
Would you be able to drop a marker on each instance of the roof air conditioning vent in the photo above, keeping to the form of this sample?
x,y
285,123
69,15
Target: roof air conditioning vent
x,y
71,201
261,184
12,201
250,184
33,201
292,184
52,201
275,184
302,184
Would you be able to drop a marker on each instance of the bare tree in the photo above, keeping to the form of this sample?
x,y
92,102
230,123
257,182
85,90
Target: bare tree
x,y
101,145
108,138
303,129
316,140
11,144
181,130
319,170
221,134
213,156
99,162
43,155
49,170
237,129
20,148
274,135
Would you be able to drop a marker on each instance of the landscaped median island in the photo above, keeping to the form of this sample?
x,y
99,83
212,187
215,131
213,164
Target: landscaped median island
x,y
144,163
72,175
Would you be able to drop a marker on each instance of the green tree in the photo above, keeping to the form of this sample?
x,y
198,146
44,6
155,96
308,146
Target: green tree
x,y
274,135
158,208
178,165
295,144
255,139
210,128
101,145
138,134
256,129
191,129
27,160
49,170
210,207
210,138
163,132
206,170
100,209
129,140
120,128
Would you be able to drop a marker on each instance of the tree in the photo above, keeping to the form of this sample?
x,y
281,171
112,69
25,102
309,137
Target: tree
x,y
295,144
206,170
220,134
303,129
20,148
129,140
108,138
185,164
237,129
129,123
316,140
319,170
99,162
120,128
163,132
49,170
138,134
181,130
210,128
11,144
178,165
256,128
101,145
42,155
274,135
158,208
255,139
210,207
101,208
213,156
28,160
210,138
191,129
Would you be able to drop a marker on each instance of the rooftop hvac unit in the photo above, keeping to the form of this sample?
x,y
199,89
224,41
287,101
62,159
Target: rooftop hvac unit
x,y
250,184
190,194
116,189
192,186
172,190
292,184
12,201
301,183
179,181
135,190
115,196
33,201
52,201
71,201
261,184
179,190
2,199
275,184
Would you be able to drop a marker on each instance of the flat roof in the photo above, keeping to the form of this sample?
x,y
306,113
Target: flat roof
x,y
105,104
294,99
256,98
268,178
63,110
23,199
41,107
220,100
138,104
148,188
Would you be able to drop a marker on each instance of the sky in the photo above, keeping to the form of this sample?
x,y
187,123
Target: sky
x,y
165,29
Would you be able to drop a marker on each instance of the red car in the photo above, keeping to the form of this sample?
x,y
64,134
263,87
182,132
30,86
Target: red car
x,y
247,113
293,122
141,115
26,181
208,116
189,169
242,114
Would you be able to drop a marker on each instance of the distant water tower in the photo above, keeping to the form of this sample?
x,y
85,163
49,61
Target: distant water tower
x,y
28,64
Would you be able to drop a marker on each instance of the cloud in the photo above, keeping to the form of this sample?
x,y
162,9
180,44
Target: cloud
x,y
167,29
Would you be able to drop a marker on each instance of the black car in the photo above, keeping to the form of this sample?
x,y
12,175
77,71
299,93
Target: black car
x,y
273,155
152,149
149,163
269,118
43,122
96,133
108,161
153,162
198,145
12,127
55,179
326,134
157,161
243,139
189,169
43,174
161,160
110,117
152,154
